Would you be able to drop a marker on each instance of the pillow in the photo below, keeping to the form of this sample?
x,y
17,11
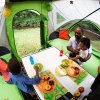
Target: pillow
x,y
3,70
63,34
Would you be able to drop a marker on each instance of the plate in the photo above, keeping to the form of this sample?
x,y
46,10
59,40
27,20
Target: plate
x,y
39,65
73,71
46,80
66,62
60,71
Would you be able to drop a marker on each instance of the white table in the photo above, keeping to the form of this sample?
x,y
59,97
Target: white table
x,y
50,59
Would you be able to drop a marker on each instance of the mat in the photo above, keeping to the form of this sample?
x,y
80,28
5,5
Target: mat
x,y
65,69
54,90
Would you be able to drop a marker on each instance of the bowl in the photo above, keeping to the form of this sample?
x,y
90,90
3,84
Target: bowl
x,y
39,65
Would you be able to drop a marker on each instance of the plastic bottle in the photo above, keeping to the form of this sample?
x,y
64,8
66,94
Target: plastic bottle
x,y
61,52
31,60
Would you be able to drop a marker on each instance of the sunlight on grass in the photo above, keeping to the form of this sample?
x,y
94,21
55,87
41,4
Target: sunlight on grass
x,y
27,41
96,45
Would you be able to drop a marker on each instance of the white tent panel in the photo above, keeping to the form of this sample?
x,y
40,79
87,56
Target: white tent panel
x,y
78,10
3,36
95,17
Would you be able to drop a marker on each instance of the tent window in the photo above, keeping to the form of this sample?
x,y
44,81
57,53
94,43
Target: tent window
x,y
60,18
26,25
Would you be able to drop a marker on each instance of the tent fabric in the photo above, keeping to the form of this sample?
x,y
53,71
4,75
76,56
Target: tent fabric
x,y
7,57
59,44
54,35
77,10
91,65
16,7
96,53
6,91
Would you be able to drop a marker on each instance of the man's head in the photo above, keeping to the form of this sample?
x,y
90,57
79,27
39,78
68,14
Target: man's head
x,y
78,33
14,66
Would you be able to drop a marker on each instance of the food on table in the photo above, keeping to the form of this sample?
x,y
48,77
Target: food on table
x,y
73,71
48,78
48,87
51,82
63,66
44,77
81,89
77,70
39,65
66,62
47,83
77,93
60,71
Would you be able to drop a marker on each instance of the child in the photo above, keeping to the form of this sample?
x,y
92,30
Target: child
x,y
83,47
4,70
22,81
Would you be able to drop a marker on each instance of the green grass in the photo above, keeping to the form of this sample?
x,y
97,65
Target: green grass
x,y
96,45
27,41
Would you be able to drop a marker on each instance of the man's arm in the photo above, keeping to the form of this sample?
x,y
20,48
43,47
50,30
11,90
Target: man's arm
x,y
73,50
85,59
75,58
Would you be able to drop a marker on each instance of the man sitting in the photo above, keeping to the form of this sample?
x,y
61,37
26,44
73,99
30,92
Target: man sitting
x,y
74,42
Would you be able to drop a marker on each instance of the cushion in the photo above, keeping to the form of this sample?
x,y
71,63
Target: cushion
x,y
63,34
92,65
3,70
59,44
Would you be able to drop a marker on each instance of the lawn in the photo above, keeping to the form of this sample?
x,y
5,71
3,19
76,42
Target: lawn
x,y
27,41
96,45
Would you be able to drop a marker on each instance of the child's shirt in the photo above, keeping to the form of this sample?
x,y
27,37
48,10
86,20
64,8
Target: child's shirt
x,y
3,70
23,82
83,54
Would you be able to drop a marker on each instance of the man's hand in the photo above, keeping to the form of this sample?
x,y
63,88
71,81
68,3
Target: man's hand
x,y
76,51
73,50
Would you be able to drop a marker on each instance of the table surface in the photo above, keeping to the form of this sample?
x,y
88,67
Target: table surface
x,y
50,59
